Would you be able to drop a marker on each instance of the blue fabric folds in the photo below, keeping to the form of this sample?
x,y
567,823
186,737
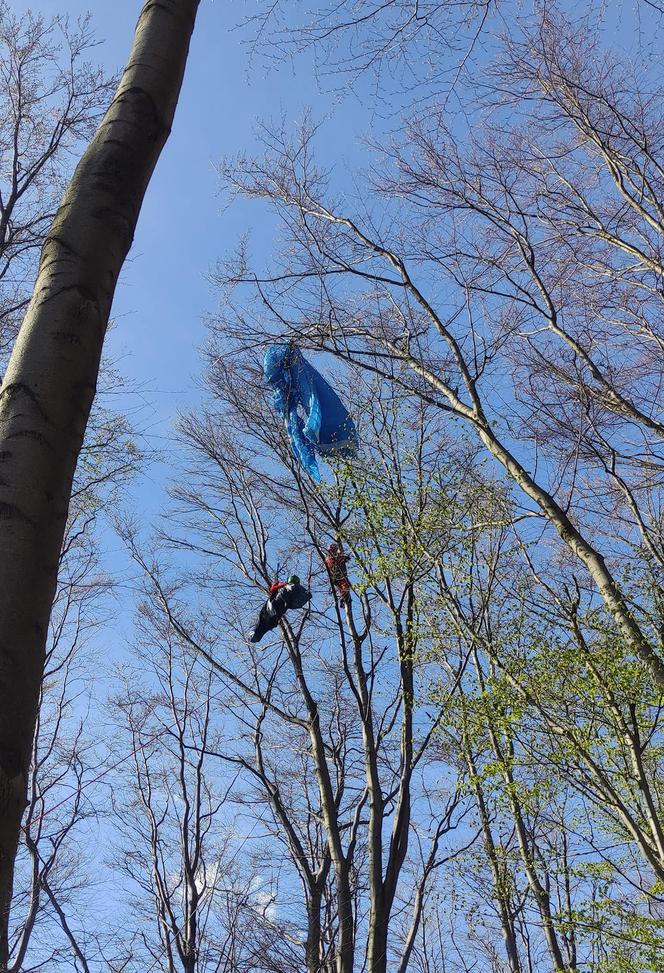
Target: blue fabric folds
x,y
327,427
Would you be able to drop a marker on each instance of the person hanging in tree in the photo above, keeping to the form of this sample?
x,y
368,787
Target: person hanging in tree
x,y
335,562
283,595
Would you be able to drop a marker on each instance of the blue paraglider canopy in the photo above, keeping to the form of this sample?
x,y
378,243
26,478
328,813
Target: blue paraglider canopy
x,y
327,427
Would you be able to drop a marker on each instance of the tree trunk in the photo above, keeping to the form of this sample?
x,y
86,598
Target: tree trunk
x,y
499,890
51,380
378,939
313,943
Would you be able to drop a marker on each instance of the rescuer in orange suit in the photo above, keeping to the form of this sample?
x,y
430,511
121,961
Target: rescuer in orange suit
x,y
335,562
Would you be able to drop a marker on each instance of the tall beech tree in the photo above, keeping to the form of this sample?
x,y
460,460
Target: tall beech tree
x,y
51,377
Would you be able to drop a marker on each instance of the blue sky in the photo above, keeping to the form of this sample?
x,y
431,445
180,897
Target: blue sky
x,y
184,227
163,294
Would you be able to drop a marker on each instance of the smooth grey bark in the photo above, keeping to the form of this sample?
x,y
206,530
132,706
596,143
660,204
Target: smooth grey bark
x,y
345,955
51,379
384,885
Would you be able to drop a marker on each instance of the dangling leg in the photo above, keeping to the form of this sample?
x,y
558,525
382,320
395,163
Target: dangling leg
x,y
267,620
343,587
